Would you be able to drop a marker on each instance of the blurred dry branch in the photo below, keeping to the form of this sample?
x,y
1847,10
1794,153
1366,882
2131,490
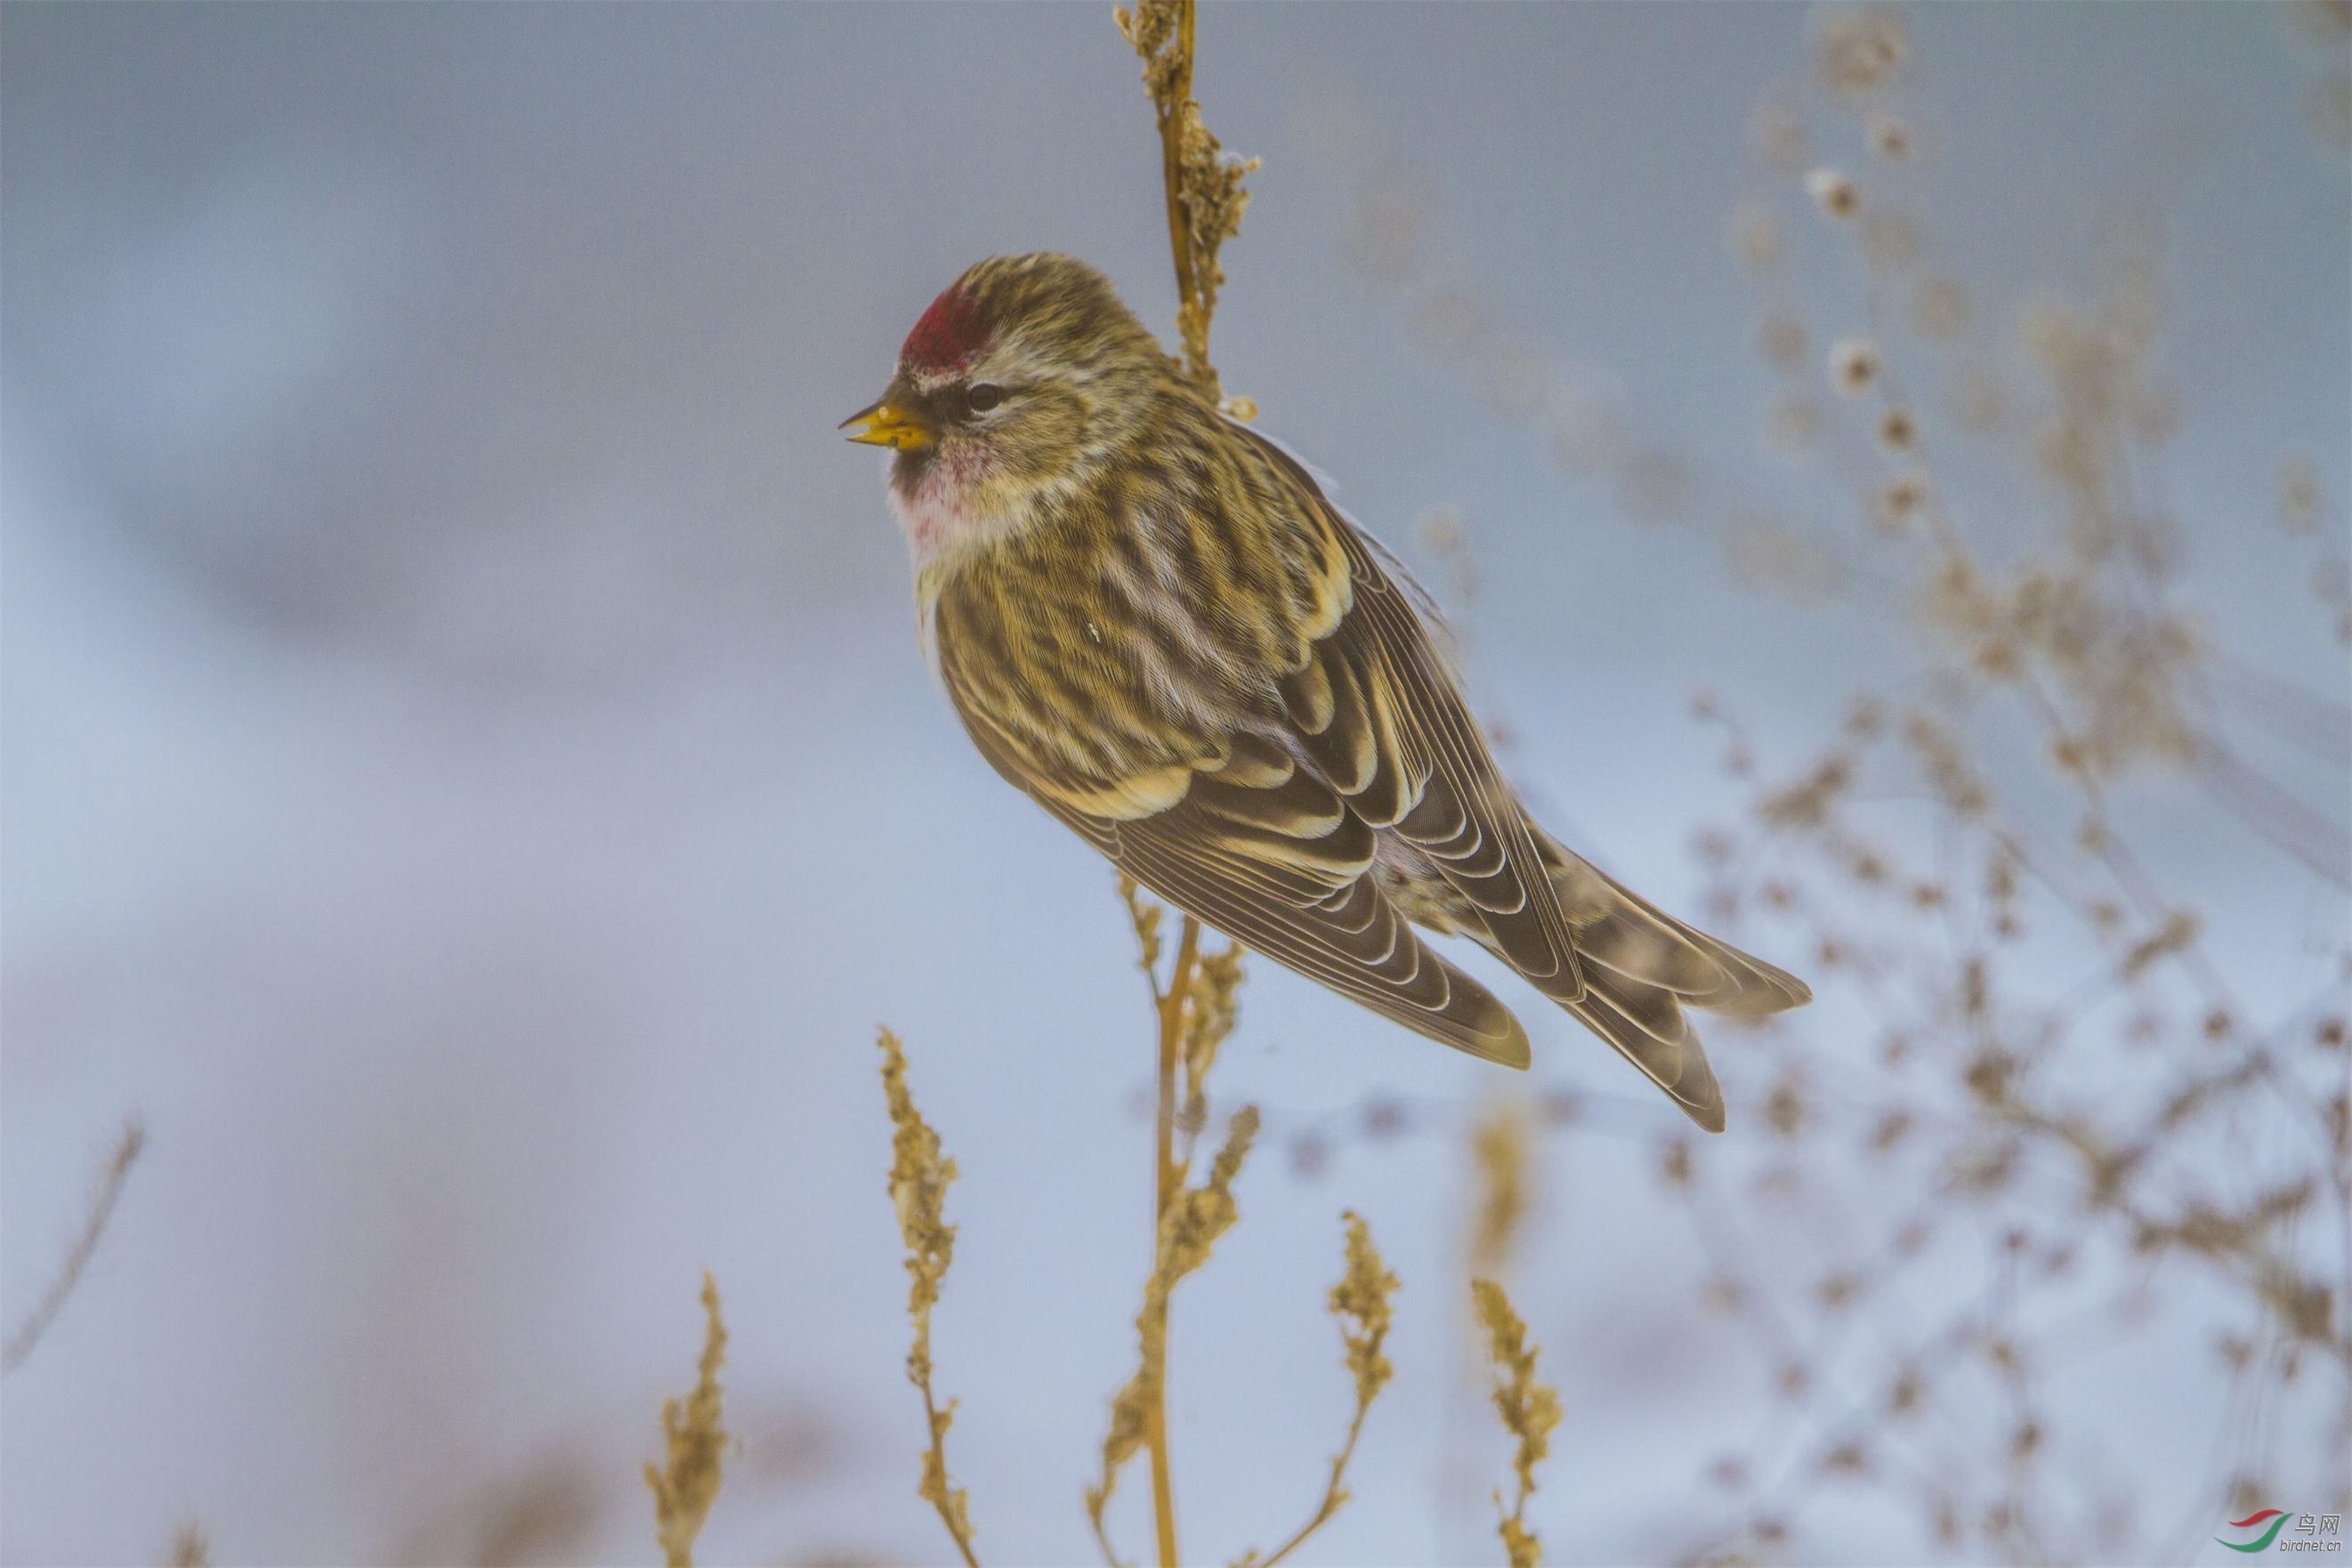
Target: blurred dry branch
x,y
2046,1091
684,1486
920,1174
77,1259
189,1547
1500,1144
1529,1410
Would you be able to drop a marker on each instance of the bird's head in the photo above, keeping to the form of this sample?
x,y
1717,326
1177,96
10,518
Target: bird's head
x,y
1021,378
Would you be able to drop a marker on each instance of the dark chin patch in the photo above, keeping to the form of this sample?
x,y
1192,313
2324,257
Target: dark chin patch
x,y
952,330
911,467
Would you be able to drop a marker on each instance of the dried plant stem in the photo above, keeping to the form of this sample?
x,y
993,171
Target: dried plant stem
x,y
1203,187
1360,1304
1196,1216
1529,1409
685,1488
1169,112
1166,1179
1334,1493
118,1170
935,1491
1192,1013
1203,184
920,1174
189,1547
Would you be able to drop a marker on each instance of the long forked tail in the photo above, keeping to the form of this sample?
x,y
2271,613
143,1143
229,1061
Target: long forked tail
x,y
1642,968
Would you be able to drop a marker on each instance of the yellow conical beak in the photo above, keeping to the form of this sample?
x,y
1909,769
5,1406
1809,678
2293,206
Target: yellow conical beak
x,y
888,424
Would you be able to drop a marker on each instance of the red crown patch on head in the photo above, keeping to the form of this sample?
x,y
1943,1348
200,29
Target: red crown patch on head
x,y
950,332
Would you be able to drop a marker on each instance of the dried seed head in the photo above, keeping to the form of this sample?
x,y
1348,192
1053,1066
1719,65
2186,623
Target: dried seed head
x,y
1360,1302
1531,1411
1898,430
2299,508
1854,365
1861,52
1834,192
1784,1108
1500,1144
1847,1459
1890,138
685,1487
1901,501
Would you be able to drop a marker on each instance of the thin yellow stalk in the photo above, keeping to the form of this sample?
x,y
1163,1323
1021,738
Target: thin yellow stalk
x,y
1166,1179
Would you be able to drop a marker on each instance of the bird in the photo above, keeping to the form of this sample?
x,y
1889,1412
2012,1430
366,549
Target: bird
x,y
1152,620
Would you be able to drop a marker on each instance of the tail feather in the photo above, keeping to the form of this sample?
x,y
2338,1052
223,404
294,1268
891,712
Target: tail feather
x,y
1643,968
1625,1013
1619,929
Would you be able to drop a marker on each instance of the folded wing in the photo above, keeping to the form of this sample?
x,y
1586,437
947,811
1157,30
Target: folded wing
x,y
1259,848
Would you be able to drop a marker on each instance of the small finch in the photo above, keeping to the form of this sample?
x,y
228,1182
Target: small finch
x,y
1151,620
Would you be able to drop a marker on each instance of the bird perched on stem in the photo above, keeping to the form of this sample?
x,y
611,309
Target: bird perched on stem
x,y
1152,621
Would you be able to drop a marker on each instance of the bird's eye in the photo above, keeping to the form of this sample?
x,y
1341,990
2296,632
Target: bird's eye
x,y
984,395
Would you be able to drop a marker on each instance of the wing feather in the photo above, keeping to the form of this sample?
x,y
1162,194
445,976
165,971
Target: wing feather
x,y
1270,855
1398,741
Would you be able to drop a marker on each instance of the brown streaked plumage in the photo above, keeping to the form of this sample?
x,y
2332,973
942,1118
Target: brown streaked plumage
x,y
1151,620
